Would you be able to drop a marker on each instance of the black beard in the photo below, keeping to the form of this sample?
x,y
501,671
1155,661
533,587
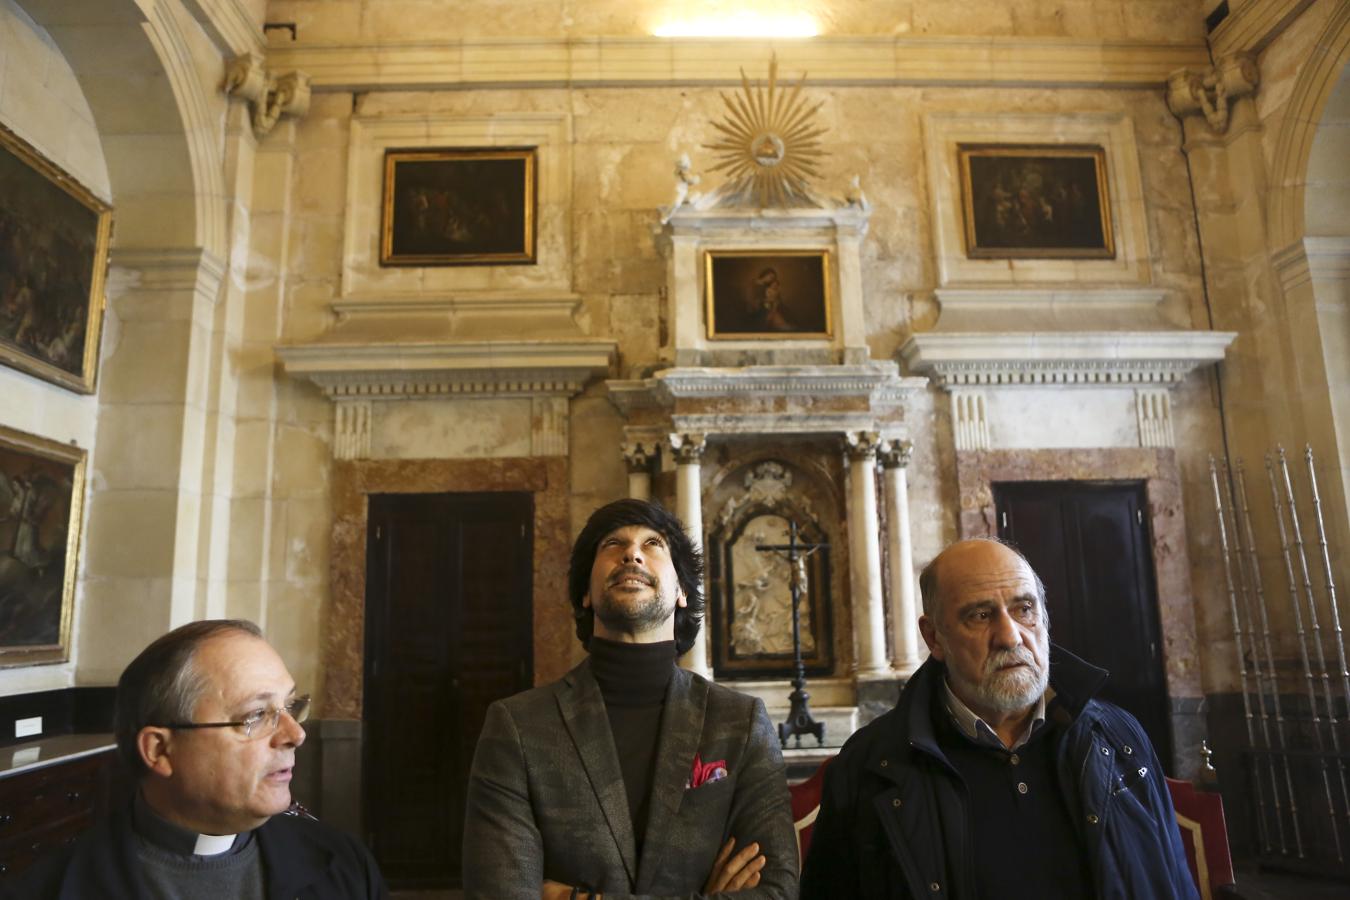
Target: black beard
x,y
646,615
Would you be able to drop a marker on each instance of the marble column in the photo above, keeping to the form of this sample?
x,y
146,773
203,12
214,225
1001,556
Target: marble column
x,y
905,640
869,621
639,458
688,451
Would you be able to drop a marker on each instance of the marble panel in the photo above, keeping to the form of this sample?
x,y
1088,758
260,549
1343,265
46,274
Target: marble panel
x,y
343,616
450,429
1030,418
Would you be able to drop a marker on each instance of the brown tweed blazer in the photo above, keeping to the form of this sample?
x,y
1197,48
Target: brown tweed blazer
x,y
546,799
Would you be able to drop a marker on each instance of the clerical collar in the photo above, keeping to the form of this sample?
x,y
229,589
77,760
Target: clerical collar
x,y
166,835
632,674
978,730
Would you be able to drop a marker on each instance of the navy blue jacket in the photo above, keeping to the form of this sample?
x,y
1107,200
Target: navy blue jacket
x,y
893,815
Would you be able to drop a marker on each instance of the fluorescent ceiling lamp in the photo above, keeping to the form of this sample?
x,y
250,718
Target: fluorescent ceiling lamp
x,y
741,25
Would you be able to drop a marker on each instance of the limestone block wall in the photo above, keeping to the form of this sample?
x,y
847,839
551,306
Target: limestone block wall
x,y
41,101
622,144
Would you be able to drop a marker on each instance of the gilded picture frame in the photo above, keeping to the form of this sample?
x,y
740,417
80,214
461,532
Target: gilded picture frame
x,y
459,207
1033,201
776,295
41,510
54,237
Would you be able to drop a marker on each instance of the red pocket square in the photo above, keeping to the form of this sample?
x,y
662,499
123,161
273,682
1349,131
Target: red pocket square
x,y
706,772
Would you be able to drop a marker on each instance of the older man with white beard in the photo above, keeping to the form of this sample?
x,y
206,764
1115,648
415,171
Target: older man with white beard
x,y
997,774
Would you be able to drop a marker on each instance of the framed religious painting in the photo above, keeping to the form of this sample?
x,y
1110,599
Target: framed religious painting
x,y
1035,201
41,498
459,207
776,295
54,236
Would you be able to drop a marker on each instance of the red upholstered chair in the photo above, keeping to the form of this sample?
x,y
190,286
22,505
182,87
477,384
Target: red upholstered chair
x,y
805,806
1204,835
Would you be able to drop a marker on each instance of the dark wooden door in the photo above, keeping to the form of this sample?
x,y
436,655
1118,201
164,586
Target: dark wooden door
x,y
448,630
1089,542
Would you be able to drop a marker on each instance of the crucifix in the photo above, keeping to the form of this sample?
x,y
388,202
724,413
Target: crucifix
x,y
799,721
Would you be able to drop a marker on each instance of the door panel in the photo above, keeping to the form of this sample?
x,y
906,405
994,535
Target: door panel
x,y
1089,543
448,631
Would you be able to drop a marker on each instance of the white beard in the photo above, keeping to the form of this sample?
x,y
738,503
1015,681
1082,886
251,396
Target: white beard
x,y
1013,690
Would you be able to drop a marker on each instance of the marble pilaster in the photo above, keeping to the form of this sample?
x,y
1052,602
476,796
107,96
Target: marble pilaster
x,y
908,647
865,555
688,450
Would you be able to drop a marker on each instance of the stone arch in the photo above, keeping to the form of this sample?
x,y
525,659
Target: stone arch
x,y
1303,113
134,62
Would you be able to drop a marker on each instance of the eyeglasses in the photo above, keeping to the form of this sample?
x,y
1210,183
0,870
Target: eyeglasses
x,y
262,723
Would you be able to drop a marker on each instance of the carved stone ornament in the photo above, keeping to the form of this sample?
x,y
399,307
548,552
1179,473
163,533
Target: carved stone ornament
x,y
895,454
862,445
770,144
639,455
1211,91
269,96
688,448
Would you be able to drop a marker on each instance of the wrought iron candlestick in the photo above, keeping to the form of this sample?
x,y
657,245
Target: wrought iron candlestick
x,y
799,720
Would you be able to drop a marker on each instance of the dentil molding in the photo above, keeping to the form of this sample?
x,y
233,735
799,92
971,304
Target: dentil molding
x,y
1082,359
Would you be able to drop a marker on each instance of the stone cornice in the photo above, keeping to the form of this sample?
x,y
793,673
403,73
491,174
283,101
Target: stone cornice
x,y
543,62
880,382
1087,359
409,371
1254,24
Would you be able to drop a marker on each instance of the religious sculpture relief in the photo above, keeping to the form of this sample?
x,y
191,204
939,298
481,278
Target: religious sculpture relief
x,y
751,588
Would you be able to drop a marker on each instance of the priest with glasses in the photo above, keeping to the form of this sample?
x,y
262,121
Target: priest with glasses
x,y
208,722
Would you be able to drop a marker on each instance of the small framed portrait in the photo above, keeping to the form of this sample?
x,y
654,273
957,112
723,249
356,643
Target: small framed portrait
x,y
459,207
54,236
1035,202
753,295
41,496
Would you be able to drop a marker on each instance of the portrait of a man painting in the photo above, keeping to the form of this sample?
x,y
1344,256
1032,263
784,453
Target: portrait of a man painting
x,y
53,258
1036,202
41,493
460,207
779,295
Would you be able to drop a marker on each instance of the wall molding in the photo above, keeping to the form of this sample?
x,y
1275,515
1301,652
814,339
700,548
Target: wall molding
x,y
621,61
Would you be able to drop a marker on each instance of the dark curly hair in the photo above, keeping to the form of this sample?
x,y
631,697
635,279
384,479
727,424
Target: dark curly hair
x,y
684,554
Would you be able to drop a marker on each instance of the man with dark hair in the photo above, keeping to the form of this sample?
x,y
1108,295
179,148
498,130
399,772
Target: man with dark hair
x,y
207,722
997,774
629,776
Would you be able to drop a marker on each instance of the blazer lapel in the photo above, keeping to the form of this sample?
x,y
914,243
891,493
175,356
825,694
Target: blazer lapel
x,y
583,711
678,741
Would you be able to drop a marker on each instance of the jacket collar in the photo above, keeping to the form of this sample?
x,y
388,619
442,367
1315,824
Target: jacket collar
x,y
289,864
910,724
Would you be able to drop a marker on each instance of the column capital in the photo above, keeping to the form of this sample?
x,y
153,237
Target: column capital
x,y
639,455
895,454
862,446
688,447
1212,91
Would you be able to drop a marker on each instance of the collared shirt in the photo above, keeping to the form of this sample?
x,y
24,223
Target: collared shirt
x,y
978,730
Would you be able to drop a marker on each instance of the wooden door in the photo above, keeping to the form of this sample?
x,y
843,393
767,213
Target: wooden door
x,y
1090,543
448,630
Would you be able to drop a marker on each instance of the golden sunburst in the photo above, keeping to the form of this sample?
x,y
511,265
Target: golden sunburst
x,y
771,143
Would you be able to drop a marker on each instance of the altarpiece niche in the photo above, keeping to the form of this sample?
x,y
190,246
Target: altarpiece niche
x,y
749,589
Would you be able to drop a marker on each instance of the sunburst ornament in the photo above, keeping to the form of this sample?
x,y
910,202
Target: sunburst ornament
x,y
771,142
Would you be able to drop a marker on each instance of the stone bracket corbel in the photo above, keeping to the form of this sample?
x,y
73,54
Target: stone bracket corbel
x,y
1211,92
269,95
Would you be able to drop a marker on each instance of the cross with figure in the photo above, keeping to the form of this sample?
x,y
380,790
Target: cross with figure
x,y
799,720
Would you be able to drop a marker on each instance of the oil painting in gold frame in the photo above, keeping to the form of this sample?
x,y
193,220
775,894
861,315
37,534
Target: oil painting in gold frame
x,y
1035,201
459,207
54,236
768,295
41,502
